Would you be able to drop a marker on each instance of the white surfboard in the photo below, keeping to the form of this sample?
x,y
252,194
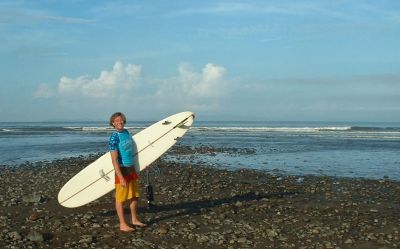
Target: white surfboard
x,y
97,179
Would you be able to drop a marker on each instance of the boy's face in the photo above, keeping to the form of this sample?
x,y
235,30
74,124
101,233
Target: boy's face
x,y
118,123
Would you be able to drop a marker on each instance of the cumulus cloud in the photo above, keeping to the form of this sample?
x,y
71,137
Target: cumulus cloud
x,y
119,80
190,88
210,82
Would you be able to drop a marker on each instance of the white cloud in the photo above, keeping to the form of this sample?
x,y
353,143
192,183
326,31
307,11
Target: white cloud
x,y
109,83
43,92
198,90
190,89
208,83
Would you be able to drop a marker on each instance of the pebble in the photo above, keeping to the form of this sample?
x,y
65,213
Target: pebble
x,y
35,236
86,239
272,233
162,230
242,240
33,198
14,236
33,217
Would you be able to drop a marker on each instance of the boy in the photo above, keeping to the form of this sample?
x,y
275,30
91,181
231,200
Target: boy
x,y
126,178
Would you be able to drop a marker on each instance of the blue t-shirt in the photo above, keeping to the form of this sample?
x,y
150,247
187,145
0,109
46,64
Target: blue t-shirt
x,y
121,141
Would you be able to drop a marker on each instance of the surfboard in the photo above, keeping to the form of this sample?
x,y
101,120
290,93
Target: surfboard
x,y
97,179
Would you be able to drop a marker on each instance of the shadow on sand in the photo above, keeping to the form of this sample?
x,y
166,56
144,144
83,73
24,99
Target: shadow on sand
x,y
200,206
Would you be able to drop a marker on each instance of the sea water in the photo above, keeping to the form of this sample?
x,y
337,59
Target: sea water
x,y
368,150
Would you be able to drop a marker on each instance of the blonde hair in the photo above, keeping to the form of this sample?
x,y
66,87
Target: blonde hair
x,y
115,115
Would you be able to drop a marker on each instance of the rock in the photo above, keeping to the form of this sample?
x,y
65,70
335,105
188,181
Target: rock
x,y
242,240
272,233
192,226
162,230
371,236
33,217
86,239
35,236
57,223
315,231
238,204
202,239
14,236
96,225
33,198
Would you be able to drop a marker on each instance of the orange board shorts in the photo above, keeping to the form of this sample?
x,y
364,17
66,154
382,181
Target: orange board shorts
x,y
131,191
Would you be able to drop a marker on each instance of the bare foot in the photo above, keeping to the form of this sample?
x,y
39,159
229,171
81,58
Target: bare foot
x,y
126,228
138,223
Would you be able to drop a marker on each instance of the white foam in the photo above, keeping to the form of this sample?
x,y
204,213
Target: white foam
x,y
273,129
97,128
81,128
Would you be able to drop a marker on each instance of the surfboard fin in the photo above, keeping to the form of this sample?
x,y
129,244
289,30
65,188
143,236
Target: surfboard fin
x,y
177,138
183,126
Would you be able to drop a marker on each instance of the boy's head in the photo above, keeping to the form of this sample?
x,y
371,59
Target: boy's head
x,y
115,115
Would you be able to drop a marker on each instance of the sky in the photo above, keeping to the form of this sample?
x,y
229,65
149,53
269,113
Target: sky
x,y
311,60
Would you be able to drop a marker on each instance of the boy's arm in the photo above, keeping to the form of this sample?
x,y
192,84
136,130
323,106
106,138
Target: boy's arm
x,y
114,158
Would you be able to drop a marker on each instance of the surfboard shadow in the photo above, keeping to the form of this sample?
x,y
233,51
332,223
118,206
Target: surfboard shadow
x,y
203,206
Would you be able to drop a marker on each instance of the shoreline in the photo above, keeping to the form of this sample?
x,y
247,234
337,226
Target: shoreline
x,y
202,207
220,157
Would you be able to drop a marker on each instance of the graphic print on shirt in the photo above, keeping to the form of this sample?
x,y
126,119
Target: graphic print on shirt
x,y
122,142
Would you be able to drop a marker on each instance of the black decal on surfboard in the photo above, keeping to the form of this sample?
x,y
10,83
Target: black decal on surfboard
x,y
183,126
166,122
104,176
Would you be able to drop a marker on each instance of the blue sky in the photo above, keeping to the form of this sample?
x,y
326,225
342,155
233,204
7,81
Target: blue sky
x,y
224,60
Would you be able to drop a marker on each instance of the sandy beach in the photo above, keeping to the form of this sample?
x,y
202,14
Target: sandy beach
x,y
199,206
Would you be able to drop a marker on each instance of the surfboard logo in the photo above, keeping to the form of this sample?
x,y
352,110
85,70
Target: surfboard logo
x,y
104,176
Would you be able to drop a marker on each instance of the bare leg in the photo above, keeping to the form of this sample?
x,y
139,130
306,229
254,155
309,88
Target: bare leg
x,y
119,206
133,206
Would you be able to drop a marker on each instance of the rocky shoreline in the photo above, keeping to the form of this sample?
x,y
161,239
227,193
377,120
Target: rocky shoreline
x,y
202,207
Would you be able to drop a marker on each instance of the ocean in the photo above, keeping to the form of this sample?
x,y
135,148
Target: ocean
x,y
365,150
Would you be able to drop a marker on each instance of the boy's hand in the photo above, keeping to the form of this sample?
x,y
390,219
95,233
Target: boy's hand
x,y
122,181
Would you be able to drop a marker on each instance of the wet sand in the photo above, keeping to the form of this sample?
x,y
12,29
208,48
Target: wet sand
x,y
202,207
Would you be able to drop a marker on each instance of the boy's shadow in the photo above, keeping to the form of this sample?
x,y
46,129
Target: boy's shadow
x,y
201,206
